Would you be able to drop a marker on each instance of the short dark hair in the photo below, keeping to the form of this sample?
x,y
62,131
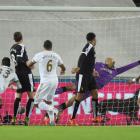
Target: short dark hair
x,y
17,36
90,36
48,45
6,61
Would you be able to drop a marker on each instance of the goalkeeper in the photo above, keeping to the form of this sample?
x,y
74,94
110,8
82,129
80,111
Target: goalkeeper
x,y
107,72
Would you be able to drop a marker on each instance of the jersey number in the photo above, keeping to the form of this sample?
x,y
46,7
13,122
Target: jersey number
x,y
49,66
6,74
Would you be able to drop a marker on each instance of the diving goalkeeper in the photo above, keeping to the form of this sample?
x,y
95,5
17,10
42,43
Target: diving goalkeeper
x,y
107,72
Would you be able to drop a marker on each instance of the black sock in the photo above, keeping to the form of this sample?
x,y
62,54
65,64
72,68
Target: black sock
x,y
95,107
16,106
76,106
29,107
62,106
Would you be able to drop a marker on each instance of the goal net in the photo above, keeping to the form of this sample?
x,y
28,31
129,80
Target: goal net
x,y
118,36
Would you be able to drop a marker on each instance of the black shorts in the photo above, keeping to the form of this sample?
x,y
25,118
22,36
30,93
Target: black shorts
x,y
26,81
85,83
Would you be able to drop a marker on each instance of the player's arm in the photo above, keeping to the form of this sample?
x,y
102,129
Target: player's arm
x,y
81,63
127,67
61,65
32,62
75,70
14,81
63,69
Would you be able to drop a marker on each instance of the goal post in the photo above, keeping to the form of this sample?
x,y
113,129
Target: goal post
x,y
118,36
69,9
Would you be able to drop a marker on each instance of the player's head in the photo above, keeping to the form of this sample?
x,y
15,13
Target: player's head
x,y
110,62
48,45
6,62
91,38
18,37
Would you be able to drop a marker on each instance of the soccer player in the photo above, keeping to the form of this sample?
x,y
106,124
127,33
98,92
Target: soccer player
x,y
7,77
19,57
107,72
48,62
136,80
85,76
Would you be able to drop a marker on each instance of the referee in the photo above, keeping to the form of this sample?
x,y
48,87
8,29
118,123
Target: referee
x,y
85,79
19,57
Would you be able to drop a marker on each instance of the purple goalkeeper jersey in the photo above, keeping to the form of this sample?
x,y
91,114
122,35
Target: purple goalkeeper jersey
x,y
106,74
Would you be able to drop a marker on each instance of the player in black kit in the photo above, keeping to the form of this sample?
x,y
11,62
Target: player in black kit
x,y
19,57
85,76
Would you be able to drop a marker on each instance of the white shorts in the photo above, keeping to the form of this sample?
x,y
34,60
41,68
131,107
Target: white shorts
x,y
46,91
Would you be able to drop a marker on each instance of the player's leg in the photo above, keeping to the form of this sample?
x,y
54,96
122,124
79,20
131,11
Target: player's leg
x,y
29,107
77,101
28,86
67,104
81,88
94,94
16,106
19,92
53,86
64,106
44,106
43,97
63,89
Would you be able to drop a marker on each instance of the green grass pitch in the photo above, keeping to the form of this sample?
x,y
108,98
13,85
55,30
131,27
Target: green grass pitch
x,y
69,133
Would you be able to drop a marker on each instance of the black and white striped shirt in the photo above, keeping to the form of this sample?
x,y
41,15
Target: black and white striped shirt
x,y
19,57
86,60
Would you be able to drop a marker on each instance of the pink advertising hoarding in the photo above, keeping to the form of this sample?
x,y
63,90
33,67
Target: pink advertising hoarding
x,y
113,90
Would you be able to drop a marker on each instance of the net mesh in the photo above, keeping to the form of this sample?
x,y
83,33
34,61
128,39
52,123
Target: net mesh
x,y
118,36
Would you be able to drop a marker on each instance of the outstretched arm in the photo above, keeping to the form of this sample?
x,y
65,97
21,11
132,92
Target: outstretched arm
x,y
127,67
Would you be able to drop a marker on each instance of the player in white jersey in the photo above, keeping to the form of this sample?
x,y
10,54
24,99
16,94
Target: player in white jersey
x,y
48,63
7,76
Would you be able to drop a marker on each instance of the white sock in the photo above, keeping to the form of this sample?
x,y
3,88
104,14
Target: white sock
x,y
43,106
51,116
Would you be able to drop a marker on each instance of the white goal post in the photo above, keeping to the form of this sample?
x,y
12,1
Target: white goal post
x,y
69,9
